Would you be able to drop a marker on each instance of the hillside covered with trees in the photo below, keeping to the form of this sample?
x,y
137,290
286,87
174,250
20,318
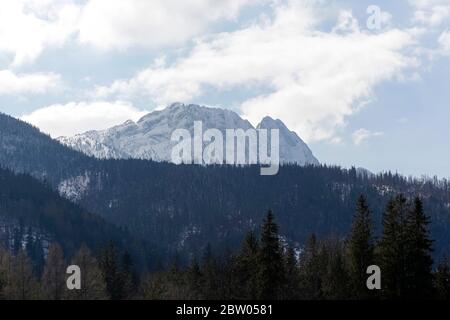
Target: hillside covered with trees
x,y
178,210
32,216
263,268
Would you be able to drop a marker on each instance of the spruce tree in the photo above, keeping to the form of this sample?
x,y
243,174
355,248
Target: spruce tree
x,y
292,275
111,272
335,283
271,273
392,249
360,250
311,270
419,249
245,269
404,251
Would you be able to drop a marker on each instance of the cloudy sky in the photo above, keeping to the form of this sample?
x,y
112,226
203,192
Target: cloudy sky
x,y
365,83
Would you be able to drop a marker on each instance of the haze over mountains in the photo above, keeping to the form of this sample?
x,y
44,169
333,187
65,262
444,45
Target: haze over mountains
x,y
150,137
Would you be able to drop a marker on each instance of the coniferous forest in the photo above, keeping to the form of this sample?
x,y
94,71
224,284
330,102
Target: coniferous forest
x,y
145,230
263,268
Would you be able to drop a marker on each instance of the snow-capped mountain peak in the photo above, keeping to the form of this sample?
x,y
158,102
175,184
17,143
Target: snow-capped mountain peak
x,y
150,137
292,148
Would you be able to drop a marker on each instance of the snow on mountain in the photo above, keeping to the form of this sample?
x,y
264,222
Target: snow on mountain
x,y
292,147
91,144
74,188
150,137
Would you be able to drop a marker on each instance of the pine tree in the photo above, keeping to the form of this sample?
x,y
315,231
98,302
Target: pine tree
x,y
311,270
93,286
292,275
404,251
271,273
335,279
442,280
360,250
419,249
54,276
392,249
245,269
111,272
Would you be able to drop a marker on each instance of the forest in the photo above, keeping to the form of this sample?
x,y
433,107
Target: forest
x,y
172,210
146,230
264,267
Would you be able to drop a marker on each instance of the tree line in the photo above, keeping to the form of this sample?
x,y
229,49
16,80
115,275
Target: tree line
x,y
265,267
327,269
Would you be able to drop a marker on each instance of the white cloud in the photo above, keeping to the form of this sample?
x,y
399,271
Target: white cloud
x,y
315,79
346,22
72,118
121,24
431,12
362,135
35,83
444,43
27,27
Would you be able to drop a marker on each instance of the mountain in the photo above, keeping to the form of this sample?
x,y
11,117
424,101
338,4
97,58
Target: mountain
x,y
150,137
179,209
292,147
32,216
24,149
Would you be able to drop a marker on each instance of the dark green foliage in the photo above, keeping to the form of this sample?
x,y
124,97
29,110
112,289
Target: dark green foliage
x,y
290,289
118,277
392,251
336,280
404,251
311,270
270,263
323,272
420,264
360,249
245,269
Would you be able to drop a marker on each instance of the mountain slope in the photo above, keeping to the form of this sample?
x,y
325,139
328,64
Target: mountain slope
x,y
149,138
181,208
292,148
31,213
23,148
